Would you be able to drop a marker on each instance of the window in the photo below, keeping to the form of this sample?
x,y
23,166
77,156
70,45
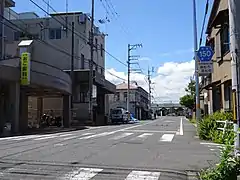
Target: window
x,y
17,36
82,61
101,50
102,71
117,96
83,97
55,33
125,96
225,40
96,42
227,97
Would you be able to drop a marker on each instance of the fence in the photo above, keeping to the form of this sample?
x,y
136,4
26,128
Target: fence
x,y
224,128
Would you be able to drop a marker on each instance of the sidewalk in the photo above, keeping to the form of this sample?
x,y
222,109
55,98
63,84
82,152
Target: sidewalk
x,y
48,130
191,151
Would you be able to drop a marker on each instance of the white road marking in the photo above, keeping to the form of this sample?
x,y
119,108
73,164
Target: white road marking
x,y
86,134
121,136
46,137
214,149
150,131
145,135
98,135
72,137
64,135
26,137
169,121
83,174
213,144
167,137
143,175
142,137
58,145
113,132
181,128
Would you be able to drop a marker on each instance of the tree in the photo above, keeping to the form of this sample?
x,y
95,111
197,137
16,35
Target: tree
x,y
188,100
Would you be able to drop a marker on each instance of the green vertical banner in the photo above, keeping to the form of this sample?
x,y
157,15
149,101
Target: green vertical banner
x,y
25,69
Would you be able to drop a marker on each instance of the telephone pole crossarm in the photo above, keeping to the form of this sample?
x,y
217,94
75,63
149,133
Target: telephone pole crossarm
x,y
131,58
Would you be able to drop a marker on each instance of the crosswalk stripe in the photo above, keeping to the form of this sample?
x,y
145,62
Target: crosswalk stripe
x,y
86,134
167,137
72,137
145,135
143,175
47,137
142,137
97,135
83,174
64,135
121,136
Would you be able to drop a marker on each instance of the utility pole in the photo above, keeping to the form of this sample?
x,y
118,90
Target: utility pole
x,y
130,58
72,67
198,117
91,63
234,30
2,30
149,89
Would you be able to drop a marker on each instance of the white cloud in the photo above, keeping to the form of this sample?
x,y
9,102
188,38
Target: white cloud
x,y
169,82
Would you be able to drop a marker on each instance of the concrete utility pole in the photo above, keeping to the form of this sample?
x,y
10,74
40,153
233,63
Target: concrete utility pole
x,y
130,58
91,63
234,30
198,114
72,67
149,88
2,29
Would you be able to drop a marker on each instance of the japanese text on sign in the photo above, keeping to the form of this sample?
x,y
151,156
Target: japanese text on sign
x,y
205,68
25,69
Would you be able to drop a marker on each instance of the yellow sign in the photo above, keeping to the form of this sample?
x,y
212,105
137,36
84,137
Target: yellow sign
x,y
25,69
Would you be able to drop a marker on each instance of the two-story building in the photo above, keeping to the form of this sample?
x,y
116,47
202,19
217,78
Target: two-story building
x,y
216,88
138,100
49,42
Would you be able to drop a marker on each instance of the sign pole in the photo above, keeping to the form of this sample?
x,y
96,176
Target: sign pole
x,y
196,61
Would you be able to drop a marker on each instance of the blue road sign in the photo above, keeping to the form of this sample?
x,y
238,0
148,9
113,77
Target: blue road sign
x,y
205,54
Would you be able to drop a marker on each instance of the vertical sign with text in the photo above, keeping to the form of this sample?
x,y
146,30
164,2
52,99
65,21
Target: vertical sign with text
x,y
25,69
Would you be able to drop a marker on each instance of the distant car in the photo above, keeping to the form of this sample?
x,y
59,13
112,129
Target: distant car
x,y
119,115
133,120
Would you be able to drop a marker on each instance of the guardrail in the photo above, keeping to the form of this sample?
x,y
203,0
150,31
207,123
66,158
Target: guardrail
x,y
226,122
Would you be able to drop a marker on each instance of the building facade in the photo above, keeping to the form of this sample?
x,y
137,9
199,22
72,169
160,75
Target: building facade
x,y
216,88
138,101
51,54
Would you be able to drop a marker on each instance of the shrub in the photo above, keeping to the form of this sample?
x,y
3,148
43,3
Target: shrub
x,y
207,129
227,169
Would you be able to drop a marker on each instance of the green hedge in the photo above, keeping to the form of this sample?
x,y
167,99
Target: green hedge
x,y
207,128
227,169
229,166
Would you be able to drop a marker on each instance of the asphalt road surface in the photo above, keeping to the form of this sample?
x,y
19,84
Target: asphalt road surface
x,y
162,149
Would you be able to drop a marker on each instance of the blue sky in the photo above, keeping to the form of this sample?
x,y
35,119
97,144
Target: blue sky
x,y
164,27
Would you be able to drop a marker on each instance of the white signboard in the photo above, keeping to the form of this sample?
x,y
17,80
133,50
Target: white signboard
x,y
205,68
94,91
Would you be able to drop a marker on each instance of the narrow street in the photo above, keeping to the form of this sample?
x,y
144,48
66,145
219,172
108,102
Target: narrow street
x,y
163,149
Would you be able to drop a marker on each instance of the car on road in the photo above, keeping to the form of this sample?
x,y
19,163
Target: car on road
x,y
119,115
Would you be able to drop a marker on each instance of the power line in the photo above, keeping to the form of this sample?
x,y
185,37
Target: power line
x,y
83,37
204,22
54,47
